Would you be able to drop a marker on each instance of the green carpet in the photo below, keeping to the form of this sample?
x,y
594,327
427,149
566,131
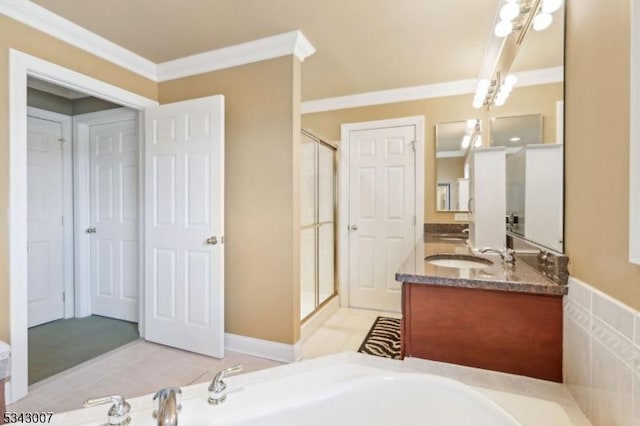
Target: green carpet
x,y
62,344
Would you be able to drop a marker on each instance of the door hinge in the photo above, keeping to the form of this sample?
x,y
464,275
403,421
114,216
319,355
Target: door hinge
x,y
415,220
61,144
62,220
64,297
413,146
222,239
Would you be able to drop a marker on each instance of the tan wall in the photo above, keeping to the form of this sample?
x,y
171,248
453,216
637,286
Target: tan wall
x,y
261,213
526,100
23,38
597,148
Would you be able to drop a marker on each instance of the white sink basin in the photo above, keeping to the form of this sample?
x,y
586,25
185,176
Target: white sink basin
x,y
458,261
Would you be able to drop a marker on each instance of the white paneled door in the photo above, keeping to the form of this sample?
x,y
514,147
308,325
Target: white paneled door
x,y
382,212
184,256
44,221
114,219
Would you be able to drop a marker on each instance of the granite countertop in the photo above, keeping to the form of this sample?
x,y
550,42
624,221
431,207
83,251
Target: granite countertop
x,y
521,278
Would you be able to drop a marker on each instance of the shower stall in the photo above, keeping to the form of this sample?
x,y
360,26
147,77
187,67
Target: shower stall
x,y
317,223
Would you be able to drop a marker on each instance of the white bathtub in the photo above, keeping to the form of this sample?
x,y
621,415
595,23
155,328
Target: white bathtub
x,y
347,392
381,400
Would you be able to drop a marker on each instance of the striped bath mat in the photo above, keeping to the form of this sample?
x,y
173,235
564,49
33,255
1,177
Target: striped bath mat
x,y
383,339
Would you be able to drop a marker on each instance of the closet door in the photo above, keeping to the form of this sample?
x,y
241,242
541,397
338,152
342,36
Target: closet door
x,y
44,220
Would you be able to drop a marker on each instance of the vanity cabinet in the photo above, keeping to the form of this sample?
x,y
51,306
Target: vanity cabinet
x,y
487,202
511,332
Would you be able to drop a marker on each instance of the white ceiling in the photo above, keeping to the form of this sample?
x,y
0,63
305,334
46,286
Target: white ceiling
x,y
362,45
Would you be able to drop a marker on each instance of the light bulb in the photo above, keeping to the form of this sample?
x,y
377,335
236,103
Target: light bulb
x,y
510,80
550,6
499,101
503,28
484,84
478,142
542,21
477,103
509,11
471,123
466,140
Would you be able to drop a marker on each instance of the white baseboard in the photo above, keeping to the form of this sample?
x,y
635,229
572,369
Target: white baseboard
x,y
263,348
314,322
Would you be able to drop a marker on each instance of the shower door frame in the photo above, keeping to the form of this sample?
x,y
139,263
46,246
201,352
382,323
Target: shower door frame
x,y
319,305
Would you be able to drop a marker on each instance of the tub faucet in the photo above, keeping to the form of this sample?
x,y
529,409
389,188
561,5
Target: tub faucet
x,y
506,254
119,411
218,388
167,406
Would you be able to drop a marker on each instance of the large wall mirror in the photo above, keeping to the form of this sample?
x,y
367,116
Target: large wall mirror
x,y
530,126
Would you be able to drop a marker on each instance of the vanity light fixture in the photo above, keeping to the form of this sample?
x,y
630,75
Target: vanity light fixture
x,y
515,139
520,15
473,134
466,141
494,92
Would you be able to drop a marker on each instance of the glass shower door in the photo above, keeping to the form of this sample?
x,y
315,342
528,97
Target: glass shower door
x,y
317,228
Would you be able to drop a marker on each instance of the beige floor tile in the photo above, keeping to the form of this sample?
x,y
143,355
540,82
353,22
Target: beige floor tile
x,y
142,367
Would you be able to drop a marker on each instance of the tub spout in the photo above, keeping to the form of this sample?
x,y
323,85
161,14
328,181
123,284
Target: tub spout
x,y
167,406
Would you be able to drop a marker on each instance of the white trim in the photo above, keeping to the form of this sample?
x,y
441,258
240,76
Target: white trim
x,y
56,26
21,64
634,139
262,348
291,43
428,91
451,154
343,185
67,197
82,194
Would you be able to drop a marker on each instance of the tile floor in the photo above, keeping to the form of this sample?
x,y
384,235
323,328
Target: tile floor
x,y
344,331
141,367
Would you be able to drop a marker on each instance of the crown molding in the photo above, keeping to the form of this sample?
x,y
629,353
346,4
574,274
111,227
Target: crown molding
x,y
438,90
41,19
49,23
291,43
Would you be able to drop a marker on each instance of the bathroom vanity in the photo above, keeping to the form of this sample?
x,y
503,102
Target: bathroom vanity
x,y
491,317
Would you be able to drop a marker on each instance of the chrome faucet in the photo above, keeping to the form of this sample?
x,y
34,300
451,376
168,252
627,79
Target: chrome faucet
x,y
218,388
506,254
167,406
119,411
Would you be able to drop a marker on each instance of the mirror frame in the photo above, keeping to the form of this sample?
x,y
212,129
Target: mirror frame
x,y
634,138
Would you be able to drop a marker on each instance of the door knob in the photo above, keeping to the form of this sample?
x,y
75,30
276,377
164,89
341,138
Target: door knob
x,y
353,227
212,241
91,230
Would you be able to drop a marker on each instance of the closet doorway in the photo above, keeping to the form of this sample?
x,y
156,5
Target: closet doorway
x,y
318,224
82,175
